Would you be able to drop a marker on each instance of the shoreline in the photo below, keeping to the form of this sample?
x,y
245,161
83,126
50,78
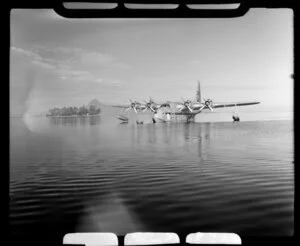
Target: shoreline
x,y
71,116
47,116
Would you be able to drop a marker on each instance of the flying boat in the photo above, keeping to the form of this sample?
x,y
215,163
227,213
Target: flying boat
x,y
187,108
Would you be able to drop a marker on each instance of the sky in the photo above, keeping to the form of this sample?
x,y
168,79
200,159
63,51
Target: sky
x,y
57,62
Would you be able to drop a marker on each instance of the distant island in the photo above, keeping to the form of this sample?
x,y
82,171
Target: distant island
x,y
93,108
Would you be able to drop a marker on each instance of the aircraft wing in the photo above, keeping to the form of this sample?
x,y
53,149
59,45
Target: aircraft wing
x,y
120,106
225,105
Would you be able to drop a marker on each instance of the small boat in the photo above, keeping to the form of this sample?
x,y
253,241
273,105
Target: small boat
x,y
235,117
123,118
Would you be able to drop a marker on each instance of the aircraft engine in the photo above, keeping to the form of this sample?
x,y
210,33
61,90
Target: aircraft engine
x,y
133,106
186,104
208,103
149,105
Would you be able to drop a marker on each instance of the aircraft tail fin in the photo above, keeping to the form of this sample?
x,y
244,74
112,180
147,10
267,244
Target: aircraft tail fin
x,y
198,94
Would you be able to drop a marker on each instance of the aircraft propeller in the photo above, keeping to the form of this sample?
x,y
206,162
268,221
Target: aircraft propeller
x,y
207,104
133,106
149,105
186,104
153,106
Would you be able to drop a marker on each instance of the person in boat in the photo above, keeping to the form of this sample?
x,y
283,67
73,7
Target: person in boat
x,y
235,117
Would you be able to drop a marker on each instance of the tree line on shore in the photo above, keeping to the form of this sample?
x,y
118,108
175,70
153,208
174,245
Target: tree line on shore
x,y
74,111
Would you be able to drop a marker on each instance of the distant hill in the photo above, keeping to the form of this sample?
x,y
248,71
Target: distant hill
x,y
95,103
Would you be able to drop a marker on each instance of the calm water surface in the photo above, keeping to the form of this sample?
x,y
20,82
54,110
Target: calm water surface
x,y
94,174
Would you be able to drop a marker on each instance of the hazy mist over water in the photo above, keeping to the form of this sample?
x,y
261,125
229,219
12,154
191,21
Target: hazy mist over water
x,y
95,175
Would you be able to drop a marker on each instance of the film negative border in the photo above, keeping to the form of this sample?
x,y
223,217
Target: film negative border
x,y
177,13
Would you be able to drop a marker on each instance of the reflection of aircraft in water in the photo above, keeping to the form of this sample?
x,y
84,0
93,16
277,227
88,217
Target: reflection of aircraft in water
x,y
188,108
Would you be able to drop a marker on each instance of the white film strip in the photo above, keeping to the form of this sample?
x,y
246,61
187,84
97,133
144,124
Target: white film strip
x,y
150,238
